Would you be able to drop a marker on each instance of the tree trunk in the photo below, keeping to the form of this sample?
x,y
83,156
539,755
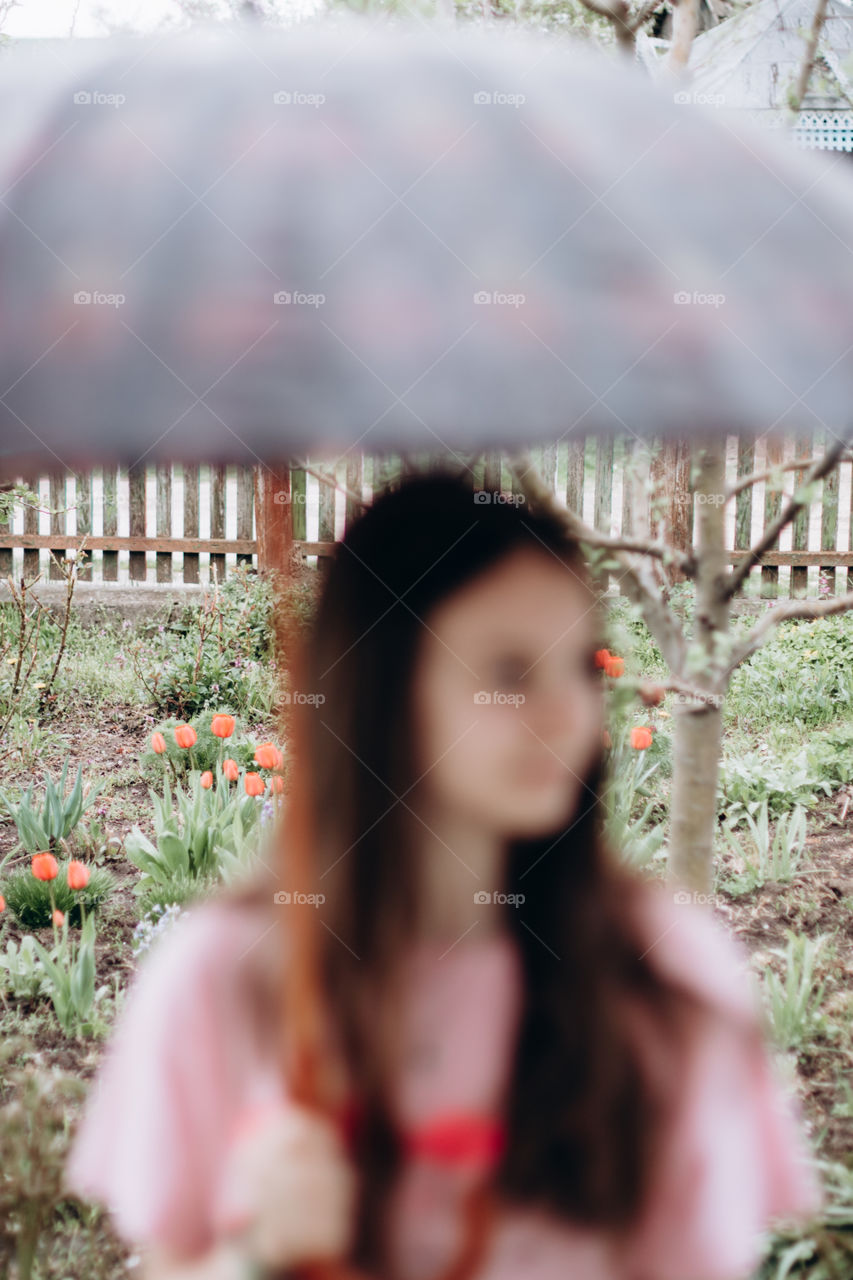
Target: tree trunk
x,y
698,728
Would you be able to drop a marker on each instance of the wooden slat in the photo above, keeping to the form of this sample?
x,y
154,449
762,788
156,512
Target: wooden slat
x,y
217,519
109,563
31,526
136,479
800,525
829,521
83,504
574,478
6,554
58,522
355,485
245,510
603,494
772,507
743,501
164,519
191,491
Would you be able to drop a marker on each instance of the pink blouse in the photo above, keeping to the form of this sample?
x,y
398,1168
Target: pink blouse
x,y
183,1067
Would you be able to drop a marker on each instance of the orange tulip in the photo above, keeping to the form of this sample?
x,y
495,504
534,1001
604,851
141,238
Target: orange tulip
x,y
268,756
606,739
78,875
614,667
44,866
230,769
185,735
641,737
2,903
277,783
254,784
58,918
602,657
207,779
222,726
158,742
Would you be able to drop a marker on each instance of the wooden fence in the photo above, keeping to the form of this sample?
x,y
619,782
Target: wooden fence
x,y
189,525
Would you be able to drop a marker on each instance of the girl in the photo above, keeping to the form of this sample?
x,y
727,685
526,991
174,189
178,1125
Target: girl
x,y
512,1018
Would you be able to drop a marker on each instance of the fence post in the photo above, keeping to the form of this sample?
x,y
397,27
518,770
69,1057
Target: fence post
x,y
273,517
164,519
136,484
109,501
800,526
829,521
58,521
772,507
191,526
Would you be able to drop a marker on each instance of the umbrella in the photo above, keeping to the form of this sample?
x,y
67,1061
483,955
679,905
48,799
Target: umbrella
x,y
245,243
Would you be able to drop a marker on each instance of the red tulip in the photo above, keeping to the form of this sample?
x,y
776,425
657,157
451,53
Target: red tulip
x,y
77,874
185,735
58,918
602,657
641,737
254,784
158,742
207,779
614,667
222,726
44,866
2,903
268,756
230,769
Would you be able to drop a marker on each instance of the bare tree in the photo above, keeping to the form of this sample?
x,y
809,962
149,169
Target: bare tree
x,y
701,663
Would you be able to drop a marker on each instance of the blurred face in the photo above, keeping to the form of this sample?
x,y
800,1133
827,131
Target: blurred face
x,y
508,710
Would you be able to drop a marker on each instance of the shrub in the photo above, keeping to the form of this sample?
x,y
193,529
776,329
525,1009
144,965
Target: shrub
x,y
29,899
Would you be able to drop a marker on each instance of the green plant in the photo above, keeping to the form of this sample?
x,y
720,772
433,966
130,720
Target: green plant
x,y
21,971
30,902
630,804
70,979
793,1002
41,828
34,1107
777,857
192,832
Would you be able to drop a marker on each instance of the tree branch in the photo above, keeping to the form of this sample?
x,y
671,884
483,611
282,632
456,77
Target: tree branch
x,y
781,613
798,464
731,582
637,579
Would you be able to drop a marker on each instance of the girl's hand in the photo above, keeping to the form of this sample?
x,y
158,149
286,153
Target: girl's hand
x,y
288,1189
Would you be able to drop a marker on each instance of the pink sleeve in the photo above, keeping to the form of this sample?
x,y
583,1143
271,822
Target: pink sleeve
x,y
738,1155
151,1135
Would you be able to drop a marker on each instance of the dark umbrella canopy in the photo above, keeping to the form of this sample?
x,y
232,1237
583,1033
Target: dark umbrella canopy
x,y
240,243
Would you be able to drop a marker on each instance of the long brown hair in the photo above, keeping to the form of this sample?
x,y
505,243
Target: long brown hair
x,y
584,1114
